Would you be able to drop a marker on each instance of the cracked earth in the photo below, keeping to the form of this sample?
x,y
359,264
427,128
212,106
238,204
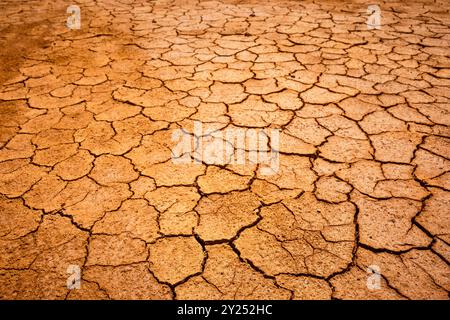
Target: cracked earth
x,y
86,171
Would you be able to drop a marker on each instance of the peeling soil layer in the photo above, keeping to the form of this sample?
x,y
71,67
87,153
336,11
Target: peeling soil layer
x,y
87,119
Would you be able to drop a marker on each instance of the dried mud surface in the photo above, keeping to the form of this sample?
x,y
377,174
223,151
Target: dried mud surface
x,y
86,177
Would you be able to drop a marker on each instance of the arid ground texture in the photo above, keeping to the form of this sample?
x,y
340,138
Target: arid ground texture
x,y
359,207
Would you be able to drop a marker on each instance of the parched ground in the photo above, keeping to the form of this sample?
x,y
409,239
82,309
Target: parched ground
x,y
87,179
